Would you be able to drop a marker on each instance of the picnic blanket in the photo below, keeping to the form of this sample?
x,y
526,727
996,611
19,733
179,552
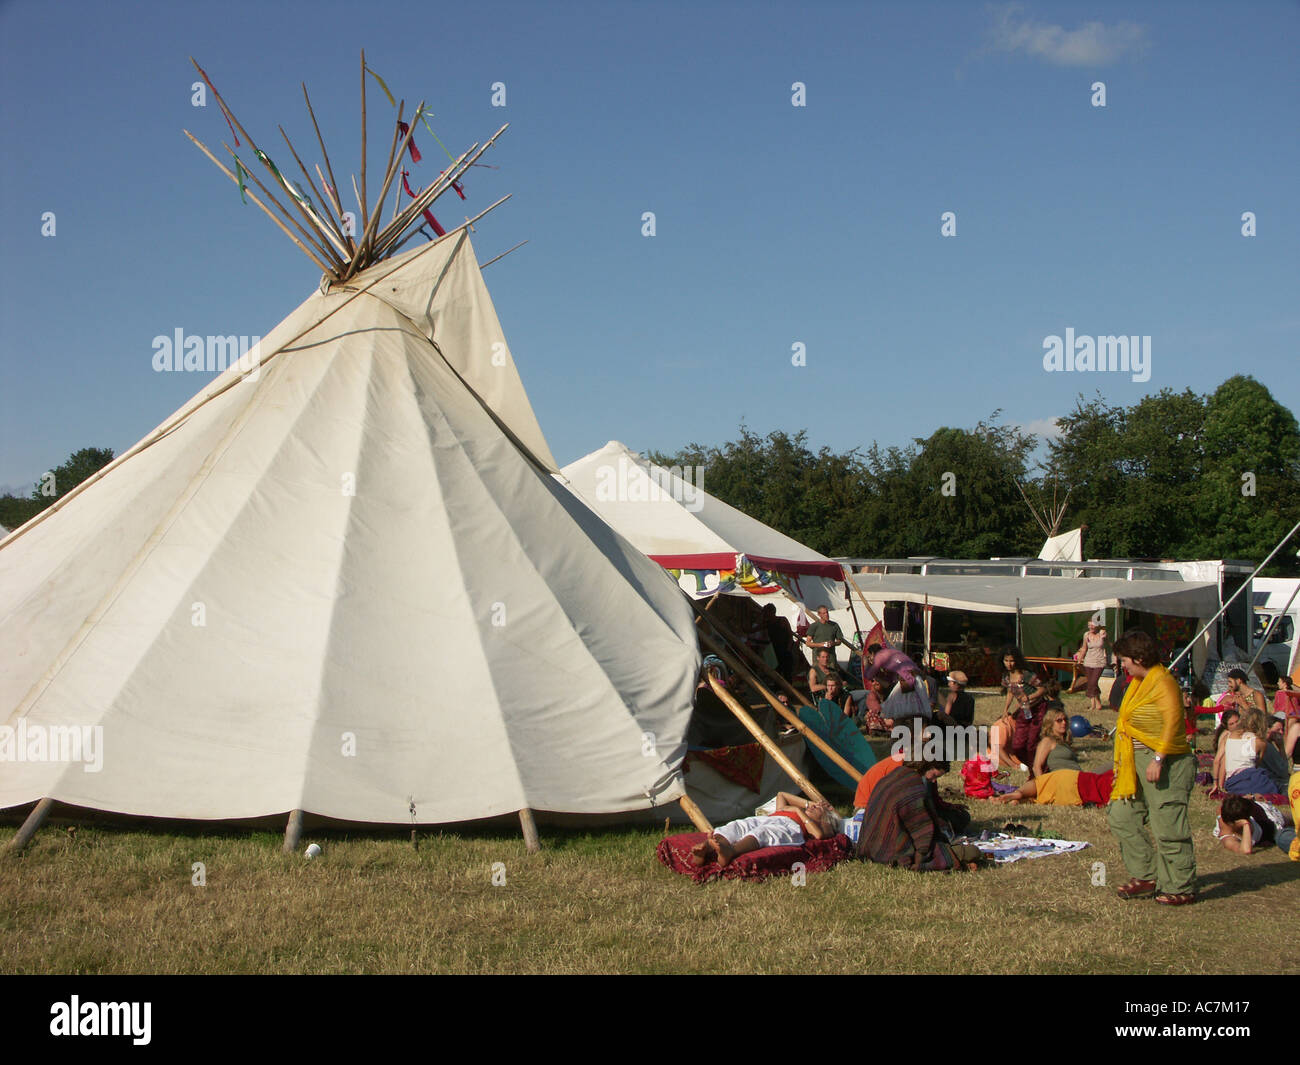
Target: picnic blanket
x,y
1002,849
817,856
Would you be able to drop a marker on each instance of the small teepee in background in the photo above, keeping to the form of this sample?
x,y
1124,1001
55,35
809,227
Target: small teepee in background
x,y
341,580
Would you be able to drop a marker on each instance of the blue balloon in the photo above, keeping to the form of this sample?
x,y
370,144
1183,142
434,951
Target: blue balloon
x,y
1080,726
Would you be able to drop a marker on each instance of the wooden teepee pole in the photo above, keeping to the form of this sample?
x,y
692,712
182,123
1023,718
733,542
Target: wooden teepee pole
x,y
413,210
1033,510
365,247
293,831
484,266
225,107
849,577
269,213
764,740
426,198
461,166
365,203
784,711
736,641
333,183
321,245
695,814
30,826
529,826
464,225
335,227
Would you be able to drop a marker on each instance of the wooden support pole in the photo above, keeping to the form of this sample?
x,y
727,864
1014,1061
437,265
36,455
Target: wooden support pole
x,y
265,161
269,213
464,225
765,741
484,266
730,635
695,814
365,205
366,243
390,236
529,826
327,222
293,832
808,734
29,827
333,184
864,600
407,216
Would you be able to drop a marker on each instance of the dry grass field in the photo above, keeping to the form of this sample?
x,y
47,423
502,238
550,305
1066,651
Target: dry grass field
x,y
122,901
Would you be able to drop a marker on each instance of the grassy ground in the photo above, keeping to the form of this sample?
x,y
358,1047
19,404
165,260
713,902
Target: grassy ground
x,y
118,901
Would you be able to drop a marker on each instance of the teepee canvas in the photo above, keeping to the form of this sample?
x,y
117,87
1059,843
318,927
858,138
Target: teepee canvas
x,y
342,580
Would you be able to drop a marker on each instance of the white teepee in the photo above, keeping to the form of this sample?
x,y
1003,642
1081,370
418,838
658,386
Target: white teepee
x,y
343,581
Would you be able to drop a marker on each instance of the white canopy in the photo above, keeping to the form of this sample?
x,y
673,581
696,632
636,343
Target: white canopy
x,y
668,515
337,585
1042,595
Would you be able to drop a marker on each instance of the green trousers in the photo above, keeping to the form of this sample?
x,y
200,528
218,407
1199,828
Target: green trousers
x,y
1159,810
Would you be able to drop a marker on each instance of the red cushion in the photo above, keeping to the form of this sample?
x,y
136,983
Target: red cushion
x,y
817,855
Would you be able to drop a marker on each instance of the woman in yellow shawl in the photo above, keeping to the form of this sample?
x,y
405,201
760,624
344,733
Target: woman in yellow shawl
x,y
1154,775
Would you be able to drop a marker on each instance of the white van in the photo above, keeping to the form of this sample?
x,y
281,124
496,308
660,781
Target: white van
x,y
1269,597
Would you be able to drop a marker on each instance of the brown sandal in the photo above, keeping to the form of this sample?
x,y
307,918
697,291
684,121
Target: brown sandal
x,y
1137,889
1165,898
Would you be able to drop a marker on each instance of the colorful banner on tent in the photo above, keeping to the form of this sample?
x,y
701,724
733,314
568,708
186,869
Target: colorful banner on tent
x,y
745,577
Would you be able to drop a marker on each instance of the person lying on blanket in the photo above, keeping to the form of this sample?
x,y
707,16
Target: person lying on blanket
x,y
1063,787
795,820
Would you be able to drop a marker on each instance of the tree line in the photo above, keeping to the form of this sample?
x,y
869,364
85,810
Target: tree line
x,y
1176,475
53,485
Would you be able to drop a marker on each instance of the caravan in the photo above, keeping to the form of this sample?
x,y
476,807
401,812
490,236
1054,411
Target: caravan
x,y
1276,604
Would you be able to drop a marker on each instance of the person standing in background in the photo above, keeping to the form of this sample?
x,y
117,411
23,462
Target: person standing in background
x,y
1094,655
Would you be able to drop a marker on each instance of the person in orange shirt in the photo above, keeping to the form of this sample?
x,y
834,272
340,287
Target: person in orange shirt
x,y
956,817
874,776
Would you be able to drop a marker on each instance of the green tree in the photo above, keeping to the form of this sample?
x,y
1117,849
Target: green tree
x,y
1086,457
965,484
1160,454
1249,491
15,510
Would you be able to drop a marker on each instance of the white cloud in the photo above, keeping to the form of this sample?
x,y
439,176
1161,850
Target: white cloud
x,y
1093,44
1044,427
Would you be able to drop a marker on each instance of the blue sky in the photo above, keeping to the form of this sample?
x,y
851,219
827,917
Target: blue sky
x,y
775,224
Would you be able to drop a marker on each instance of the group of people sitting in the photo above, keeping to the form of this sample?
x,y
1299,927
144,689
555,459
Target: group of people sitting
x,y
891,687
1056,776
899,821
1256,751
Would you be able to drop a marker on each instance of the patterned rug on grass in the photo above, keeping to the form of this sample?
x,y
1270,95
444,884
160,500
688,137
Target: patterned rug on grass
x,y
817,856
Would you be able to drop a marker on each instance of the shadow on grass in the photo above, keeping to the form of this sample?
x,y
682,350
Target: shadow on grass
x,y
1245,879
554,838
